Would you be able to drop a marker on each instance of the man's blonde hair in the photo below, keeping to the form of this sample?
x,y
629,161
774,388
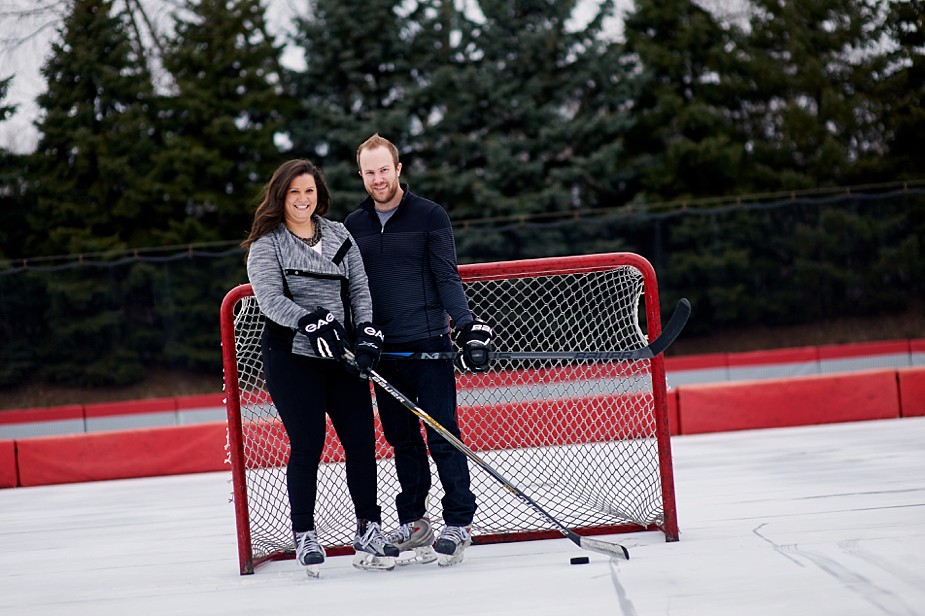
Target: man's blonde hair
x,y
377,141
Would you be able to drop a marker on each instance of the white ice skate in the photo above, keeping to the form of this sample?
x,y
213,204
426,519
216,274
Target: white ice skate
x,y
373,552
451,545
309,552
416,537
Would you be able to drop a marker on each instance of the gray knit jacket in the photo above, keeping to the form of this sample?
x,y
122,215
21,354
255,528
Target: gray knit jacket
x,y
291,280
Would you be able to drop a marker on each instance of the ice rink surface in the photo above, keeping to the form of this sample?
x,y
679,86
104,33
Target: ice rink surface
x,y
816,520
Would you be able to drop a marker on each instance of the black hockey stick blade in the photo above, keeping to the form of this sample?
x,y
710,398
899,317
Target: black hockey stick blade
x,y
672,329
669,334
585,543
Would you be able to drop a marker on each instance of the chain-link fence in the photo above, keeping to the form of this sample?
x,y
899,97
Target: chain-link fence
x,y
106,319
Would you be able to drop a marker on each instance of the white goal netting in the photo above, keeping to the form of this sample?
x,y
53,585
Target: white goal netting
x,y
587,440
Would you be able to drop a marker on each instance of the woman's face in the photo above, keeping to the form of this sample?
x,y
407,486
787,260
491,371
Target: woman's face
x,y
301,199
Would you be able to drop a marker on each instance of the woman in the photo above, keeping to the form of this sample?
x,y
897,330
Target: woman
x,y
309,281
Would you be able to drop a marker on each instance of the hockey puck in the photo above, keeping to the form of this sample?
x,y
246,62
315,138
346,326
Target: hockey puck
x,y
580,560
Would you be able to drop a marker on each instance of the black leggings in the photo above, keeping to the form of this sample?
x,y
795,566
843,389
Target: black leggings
x,y
303,390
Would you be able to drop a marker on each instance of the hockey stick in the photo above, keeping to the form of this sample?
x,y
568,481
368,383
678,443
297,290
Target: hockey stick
x,y
669,334
585,543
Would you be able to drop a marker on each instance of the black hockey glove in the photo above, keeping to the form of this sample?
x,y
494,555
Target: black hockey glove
x,y
368,346
326,334
474,340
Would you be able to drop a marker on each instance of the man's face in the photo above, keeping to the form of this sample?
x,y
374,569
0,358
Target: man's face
x,y
380,175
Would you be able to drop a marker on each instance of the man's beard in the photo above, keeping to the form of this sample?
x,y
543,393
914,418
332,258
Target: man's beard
x,y
390,193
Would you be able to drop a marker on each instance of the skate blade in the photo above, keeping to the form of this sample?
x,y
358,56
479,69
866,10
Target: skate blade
x,y
422,556
448,560
370,562
313,571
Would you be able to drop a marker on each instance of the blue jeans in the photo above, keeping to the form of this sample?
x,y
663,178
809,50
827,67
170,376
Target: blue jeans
x,y
432,385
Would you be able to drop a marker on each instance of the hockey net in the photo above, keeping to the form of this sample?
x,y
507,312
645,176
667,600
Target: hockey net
x,y
587,440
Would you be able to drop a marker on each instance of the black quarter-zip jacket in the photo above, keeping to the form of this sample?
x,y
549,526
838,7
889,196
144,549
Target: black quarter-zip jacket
x,y
411,268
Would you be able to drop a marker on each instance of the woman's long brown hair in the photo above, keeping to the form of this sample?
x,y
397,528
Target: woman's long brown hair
x,y
271,211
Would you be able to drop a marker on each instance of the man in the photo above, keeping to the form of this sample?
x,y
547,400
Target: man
x,y
410,258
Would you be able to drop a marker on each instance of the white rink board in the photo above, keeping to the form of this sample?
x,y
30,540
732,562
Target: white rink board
x,y
813,520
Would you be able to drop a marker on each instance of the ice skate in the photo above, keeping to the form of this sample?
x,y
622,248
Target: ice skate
x,y
416,537
309,552
451,544
373,552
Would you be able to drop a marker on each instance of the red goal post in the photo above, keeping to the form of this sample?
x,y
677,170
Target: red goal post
x,y
588,440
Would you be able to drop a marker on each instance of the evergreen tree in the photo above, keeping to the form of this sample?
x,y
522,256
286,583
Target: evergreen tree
x,y
684,142
510,111
18,296
12,166
228,103
903,91
221,121
87,178
96,137
438,149
356,82
531,115
5,110
810,116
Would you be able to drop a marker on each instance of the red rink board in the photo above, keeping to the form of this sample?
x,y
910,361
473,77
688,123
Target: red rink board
x,y
130,407
122,455
864,349
912,391
199,401
9,477
774,357
69,412
788,402
674,420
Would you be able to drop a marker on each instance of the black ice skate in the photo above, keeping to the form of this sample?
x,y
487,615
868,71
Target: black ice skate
x,y
309,552
373,552
452,543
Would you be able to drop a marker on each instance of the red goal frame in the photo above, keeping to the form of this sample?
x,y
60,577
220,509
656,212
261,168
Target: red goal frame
x,y
470,274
